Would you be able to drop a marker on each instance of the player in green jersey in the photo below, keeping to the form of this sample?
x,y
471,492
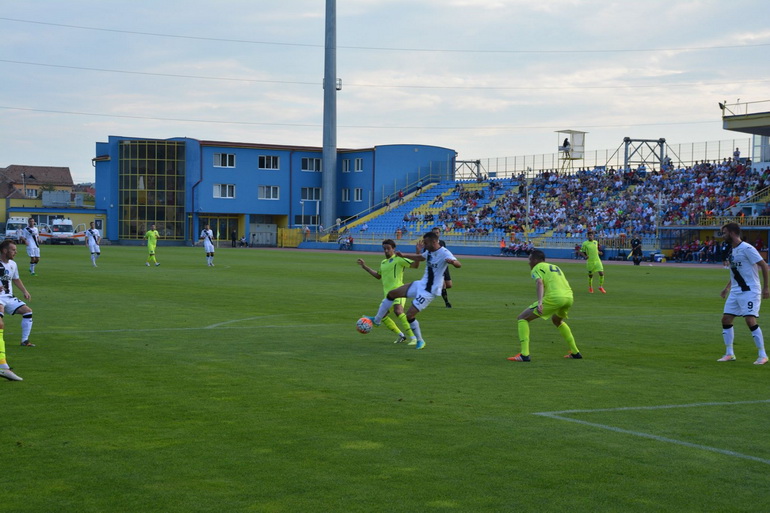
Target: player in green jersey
x,y
391,274
554,299
152,240
590,250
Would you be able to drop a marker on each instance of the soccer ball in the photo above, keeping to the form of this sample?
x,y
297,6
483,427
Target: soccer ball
x,y
364,325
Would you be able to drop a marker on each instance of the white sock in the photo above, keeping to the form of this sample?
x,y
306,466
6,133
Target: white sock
x,y
728,335
26,326
759,341
383,311
416,329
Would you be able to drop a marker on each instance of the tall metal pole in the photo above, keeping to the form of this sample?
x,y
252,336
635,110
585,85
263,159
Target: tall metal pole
x,y
329,173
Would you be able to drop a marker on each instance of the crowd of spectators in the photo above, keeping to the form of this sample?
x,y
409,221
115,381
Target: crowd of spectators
x,y
614,203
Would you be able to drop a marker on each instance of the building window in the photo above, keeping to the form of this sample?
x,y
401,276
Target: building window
x,y
151,179
32,193
359,194
345,195
224,160
359,165
268,192
311,164
269,162
224,190
346,166
311,193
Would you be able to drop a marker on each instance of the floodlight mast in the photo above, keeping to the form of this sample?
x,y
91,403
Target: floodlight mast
x,y
331,86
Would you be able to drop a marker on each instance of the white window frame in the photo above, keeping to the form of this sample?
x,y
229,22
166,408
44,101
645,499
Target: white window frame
x,y
358,194
310,194
224,160
346,165
359,165
345,195
272,162
228,188
269,192
311,164
32,193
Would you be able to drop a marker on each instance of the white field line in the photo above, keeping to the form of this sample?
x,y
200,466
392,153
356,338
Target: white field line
x,y
559,415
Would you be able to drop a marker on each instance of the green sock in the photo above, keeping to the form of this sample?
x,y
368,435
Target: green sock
x,y
388,322
2,349
405,324
590,282
566,333
523,327
601,280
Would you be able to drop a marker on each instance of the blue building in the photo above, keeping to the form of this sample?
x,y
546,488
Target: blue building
x,y
180,184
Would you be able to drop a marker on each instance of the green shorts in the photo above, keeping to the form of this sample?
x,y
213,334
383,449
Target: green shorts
x,y
594,266
558,306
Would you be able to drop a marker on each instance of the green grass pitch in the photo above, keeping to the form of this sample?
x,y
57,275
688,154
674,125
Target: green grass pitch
x,y
246,388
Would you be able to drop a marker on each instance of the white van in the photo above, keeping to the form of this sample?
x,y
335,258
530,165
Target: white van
x,y
13,226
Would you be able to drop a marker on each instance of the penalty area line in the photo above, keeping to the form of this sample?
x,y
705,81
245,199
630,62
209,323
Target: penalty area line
x,y
559,415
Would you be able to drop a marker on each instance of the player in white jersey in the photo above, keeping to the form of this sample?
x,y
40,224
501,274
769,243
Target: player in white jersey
x,y
31,237
9,278
207,236
743,292
421,292
93,238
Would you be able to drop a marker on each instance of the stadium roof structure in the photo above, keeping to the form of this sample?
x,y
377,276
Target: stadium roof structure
x,y
747,117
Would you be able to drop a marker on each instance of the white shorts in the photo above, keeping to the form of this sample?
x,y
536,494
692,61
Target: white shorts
x,y
743,304
11,304
421,298
208,246
33,252
94,248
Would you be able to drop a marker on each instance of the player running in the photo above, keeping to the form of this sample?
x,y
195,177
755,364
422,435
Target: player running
x,y
421,292
554,299
590,250
743,292
391,273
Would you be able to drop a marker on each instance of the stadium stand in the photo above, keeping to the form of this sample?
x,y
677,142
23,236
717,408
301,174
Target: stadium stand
x,y
617,204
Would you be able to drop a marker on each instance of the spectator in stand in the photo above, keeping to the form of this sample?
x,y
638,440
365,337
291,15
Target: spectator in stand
x,y
676,254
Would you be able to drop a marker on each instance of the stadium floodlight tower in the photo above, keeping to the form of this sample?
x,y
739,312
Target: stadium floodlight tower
x,y
331,85
572,147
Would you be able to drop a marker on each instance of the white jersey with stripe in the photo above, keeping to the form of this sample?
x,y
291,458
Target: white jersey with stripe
x,y
30,235
744,273
435,265
92,236
9,272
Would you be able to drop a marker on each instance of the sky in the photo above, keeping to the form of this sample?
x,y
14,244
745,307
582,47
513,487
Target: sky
x,y
487,78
